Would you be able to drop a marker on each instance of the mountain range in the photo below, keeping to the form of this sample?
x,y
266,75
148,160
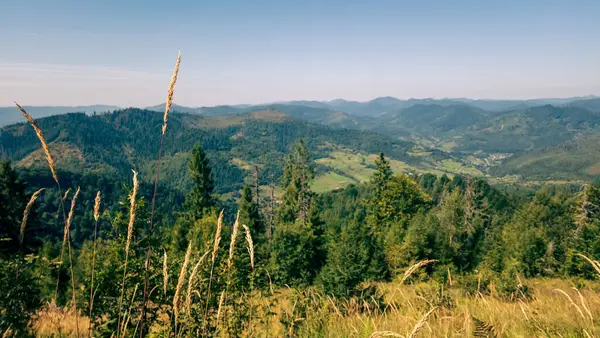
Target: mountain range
x,y
372,108
528,140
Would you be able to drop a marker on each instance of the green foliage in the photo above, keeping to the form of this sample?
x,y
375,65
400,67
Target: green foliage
x,y
12,204
353,257
199,199
297,176
20,296
297,254
399,200
382,176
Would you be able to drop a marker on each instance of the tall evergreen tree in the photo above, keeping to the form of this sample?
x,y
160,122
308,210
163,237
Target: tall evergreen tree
x,y
297,248
200,200
198,203
298,174
250,214
382,175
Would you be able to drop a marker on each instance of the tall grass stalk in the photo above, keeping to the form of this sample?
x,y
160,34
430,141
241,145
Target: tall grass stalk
x,y
251,253
132,211
421,323
180,282
25,216
68,239
212,266
165,274
96,218
415,267
234,233
188,300
52,166
128,315
169,102
40,135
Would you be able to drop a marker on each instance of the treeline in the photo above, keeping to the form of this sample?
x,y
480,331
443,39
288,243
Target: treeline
x,y
205,272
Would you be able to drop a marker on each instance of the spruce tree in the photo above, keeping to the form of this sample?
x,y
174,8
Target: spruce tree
x,y
383,174
250,214
298,174
297,249
199,200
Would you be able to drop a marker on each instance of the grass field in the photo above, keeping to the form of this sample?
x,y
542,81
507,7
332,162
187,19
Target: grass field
x,y
348,167
331,181
557,309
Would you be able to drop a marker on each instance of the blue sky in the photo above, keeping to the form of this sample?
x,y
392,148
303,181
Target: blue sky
x,y
122,52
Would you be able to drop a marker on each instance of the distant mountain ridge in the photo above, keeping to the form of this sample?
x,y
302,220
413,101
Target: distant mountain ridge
x,y
10,115
497,140
372,108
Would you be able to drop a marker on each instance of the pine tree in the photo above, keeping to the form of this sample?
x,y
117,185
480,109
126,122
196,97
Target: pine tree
x,y
200,200
383,174
297,248
250,214
297,176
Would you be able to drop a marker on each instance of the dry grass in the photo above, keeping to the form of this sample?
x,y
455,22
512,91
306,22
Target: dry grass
x,y
413,311
217,237
40,136
97,207
95,244
165,273
70,218
64,198
550,314
55,321
595,264
416,267
180,281
421,323
132,211
250,245
192,279
170,93
234,234
26,214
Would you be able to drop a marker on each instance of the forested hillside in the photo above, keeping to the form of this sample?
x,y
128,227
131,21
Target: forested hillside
x,y
113,144
259,182
481,134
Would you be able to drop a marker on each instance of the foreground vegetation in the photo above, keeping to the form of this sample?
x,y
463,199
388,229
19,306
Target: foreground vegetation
x,y
399,255
551,313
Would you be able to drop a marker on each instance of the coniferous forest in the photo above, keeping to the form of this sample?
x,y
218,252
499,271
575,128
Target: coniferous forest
x,y
103,248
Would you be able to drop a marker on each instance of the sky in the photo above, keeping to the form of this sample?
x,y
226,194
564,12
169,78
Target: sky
x,y
122,52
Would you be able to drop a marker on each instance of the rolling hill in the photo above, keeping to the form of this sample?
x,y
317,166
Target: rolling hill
x,y
114,143
490,141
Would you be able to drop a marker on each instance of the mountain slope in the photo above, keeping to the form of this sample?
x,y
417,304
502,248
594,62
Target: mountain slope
x,y
433,120
532,128
577,159
115,143
590,104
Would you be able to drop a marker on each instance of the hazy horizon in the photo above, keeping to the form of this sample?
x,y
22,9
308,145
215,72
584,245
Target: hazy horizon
x,y
236,52
306,100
